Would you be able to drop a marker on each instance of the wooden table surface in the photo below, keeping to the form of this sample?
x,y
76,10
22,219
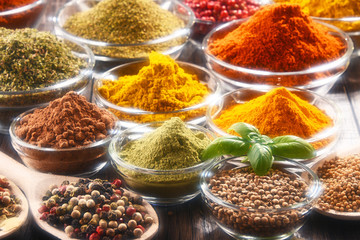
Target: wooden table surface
x,y
189,221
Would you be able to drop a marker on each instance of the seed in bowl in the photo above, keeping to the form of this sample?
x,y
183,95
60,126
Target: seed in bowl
x,y
256,194
222,11
95,209
340,177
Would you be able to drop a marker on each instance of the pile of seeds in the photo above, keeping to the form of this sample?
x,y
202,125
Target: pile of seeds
x,y
95,209
340,176
9,203
276,190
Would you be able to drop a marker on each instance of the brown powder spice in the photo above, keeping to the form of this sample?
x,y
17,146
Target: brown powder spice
x,y
70,121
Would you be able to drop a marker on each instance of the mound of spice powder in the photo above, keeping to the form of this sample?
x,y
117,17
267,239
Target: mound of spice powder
x,y
31,59
70,121
278,112
162,86
331,9
280,38
171,146
125,22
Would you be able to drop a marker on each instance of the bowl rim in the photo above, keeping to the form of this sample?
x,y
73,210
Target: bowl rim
x,y
117,160
185,31
22,8
61,83
314,69
314,190
328,132
17,140
209,99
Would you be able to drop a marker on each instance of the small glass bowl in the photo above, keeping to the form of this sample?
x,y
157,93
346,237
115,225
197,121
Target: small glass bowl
x,y
239,221
13,103
105,51
129,117
319,78
79,161
24,16
202,27
323,141
350,25
162,187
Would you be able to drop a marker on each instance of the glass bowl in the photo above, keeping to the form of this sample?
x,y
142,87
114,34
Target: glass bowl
x,y
129,117
244,221
162,187
105,51
202,27
24,16
350,25
319,78
80,161
323,141
14,103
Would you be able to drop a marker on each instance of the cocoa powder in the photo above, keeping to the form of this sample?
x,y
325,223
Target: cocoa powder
x,y
70,121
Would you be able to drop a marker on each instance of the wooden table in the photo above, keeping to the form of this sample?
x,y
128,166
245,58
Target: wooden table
x,y
189,221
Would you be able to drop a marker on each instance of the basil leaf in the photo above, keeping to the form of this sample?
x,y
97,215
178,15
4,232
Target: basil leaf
x,y
261,159
292,147
225,145
246,131
265,140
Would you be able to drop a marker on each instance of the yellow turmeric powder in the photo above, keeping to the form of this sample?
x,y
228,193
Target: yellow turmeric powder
x,y
278,112
331,9
162,86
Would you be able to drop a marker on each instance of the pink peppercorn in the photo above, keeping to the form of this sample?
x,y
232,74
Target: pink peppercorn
x,y
222,10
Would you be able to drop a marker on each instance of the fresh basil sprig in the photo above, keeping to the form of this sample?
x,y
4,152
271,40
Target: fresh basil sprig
x,y
260,149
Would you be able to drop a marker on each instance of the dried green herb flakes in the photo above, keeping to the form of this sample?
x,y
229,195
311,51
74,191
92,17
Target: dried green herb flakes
x,y
30,59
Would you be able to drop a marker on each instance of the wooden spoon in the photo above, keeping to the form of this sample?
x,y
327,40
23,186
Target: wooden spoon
x,y
35,185
11,225
341,151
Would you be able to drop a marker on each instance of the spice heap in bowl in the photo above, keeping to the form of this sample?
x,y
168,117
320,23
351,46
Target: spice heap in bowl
x,y
279,111
97,209
246,205
69,136
210,13
21,13
278,45
125,30
161,160
156,90
342,14
36,68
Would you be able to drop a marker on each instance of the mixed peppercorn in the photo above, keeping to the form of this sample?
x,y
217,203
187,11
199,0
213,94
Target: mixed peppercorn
x,y
222,10
9,203
95,209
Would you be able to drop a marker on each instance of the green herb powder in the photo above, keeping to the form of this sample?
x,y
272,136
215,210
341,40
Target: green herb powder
x,y
171,146
30,59
125,22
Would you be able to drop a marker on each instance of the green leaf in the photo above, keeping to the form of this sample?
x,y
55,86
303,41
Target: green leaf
x,y
261,159
235,146
292,147
246,131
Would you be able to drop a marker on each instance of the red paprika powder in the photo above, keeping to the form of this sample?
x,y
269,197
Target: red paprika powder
x,y
278,38
26,18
